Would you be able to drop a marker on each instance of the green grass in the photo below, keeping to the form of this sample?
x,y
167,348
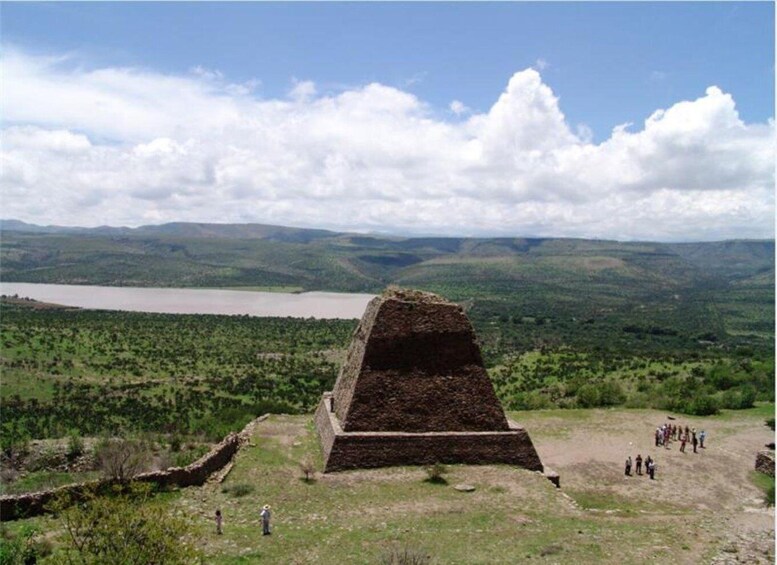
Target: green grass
x,y
766,484
605,500
513,516
42,480
760,410
354,517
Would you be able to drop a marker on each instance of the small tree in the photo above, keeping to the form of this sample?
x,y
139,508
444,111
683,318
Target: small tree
x,y
308,469
434,473
703,405
75,444
122,459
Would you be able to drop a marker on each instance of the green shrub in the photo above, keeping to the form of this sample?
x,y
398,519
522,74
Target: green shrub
x,y
738,398
189,456
434,474
175,443
703,405
610,393
75,444
123,529
14,442
638,400
238,489
588,396
27,546
533,400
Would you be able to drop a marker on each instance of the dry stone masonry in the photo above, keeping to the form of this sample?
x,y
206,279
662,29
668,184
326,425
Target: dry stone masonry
x,y
413,390
15,507
764,462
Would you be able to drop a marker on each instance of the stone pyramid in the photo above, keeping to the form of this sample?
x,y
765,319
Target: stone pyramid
x,y
414,366
413,390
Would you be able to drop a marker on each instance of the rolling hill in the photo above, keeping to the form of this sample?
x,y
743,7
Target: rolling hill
x,y
715,289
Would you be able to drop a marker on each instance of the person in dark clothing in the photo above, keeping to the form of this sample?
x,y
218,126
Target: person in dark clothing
x,y
695,442
219,522
638,461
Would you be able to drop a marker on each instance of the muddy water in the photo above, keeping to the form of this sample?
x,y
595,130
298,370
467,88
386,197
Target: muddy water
x,y
196,301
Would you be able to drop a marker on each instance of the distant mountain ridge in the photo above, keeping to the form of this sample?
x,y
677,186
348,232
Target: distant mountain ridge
x,y
285,233
299,256
181,229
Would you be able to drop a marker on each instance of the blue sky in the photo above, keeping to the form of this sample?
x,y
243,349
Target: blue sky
x,y
610,63
399,117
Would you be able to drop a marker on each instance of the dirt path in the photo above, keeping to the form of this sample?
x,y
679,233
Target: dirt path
x,y
708,494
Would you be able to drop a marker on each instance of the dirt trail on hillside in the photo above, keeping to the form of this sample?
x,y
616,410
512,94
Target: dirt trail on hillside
x,y
713,487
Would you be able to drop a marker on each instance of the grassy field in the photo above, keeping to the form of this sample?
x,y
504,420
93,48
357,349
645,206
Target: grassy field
x,y
700,507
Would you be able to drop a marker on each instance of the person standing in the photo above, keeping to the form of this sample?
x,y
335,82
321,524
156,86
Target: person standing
x,y
652,470
628,466
658,436
702,435
694,442
638,461
219,522
683,440
265,514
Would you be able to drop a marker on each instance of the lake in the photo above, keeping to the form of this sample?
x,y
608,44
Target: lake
x,y
195,300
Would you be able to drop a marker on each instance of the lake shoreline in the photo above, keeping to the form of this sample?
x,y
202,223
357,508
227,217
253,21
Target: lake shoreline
x,y
215,301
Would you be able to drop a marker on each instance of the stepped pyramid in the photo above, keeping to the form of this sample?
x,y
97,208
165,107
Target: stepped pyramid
x,y
413,390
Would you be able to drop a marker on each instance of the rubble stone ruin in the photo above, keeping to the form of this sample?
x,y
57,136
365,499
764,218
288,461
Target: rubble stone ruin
x,y
413,391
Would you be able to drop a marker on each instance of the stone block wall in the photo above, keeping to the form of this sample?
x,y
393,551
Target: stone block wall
x,y
355,450
26,505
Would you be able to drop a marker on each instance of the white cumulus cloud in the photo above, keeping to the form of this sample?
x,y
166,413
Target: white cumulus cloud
x,y
458,107
85,146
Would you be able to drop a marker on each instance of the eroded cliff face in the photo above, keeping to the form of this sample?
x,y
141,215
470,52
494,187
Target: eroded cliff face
x,y
414,366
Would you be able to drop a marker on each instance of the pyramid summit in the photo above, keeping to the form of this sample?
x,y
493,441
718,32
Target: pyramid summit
x,y
413,390
414,366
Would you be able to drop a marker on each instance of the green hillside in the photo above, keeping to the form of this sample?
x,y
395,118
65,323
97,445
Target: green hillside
x,y
577,290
